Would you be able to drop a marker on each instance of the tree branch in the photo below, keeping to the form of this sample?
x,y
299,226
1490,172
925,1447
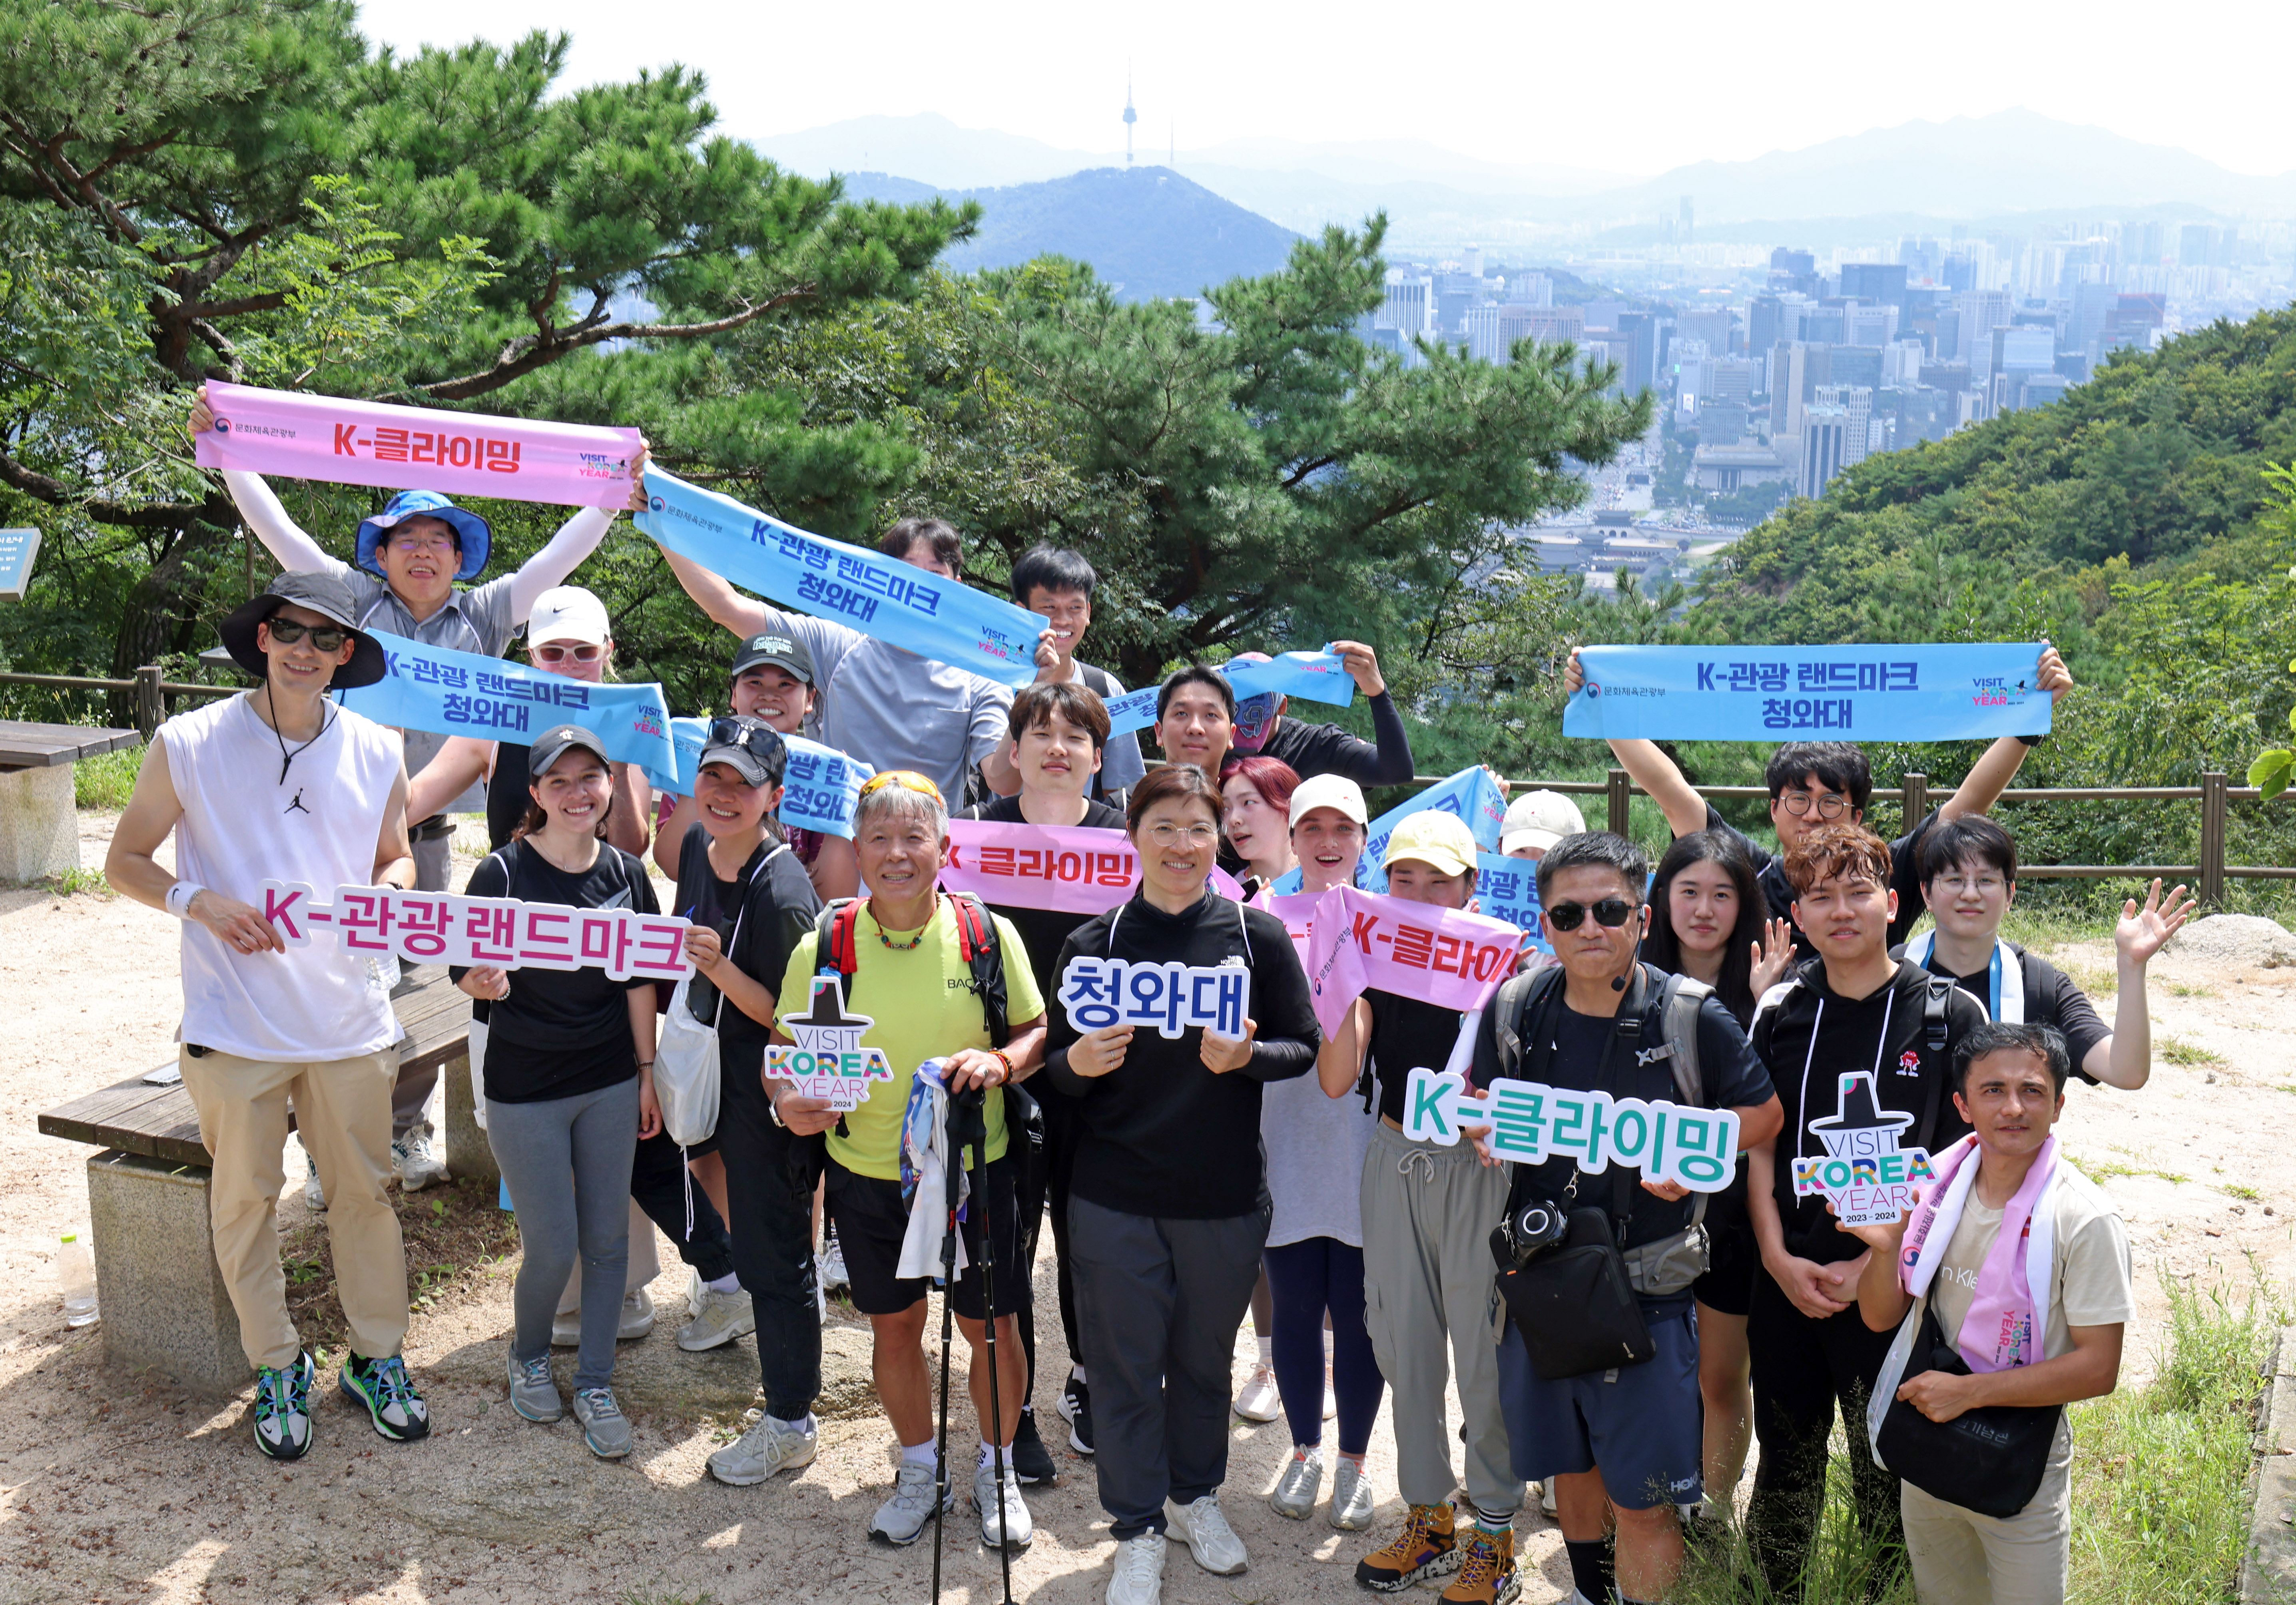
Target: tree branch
x,y
216,508
542,352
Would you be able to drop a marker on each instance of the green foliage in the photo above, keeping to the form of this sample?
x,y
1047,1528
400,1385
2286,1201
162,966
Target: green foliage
x,y
107,780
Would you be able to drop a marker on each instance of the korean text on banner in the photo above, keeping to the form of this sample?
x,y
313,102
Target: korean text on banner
x,y
503,933
1068,868
1471,794
819,790
879,596
446,693
1362,941
1507,890
1316,676
1531,1122
461,454
1943,691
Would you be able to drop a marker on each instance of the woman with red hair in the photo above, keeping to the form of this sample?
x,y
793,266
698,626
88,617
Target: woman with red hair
x,y
1256,816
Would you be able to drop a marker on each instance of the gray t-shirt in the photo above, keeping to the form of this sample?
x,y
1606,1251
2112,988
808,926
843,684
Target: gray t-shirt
x,y
893,710
478,621
1315,1146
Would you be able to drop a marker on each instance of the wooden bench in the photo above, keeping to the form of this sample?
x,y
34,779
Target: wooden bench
x,y
161,1293
39,827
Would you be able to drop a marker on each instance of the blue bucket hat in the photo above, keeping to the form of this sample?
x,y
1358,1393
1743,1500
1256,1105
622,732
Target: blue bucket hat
x,y
475,533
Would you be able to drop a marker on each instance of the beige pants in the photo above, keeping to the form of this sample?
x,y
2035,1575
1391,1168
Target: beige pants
x,y
1961,1558
343,1116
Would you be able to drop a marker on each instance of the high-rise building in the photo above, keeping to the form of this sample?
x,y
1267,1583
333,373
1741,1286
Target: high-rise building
x,y
1795,371
1529,290
1823,437
1946,345
1884,283
1409,307
1874,324
1792,269
1951,377
1983,311
1856,404
1853,364
1715,325
1765,323
1727,379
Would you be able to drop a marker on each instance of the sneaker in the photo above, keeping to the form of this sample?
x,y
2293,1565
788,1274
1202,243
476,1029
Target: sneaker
x,y
604,1428
315,1193
1545,1493
829,1267
1139,1575
1300,1486
904,1518
1259,1400
718,1320
636,1321
1425,1547
1005,1518
415,1164
1487,1573
766,1447
388,1393
532,1394
282,1408
1075,1409
1201,1525
1352,1504
1030,1461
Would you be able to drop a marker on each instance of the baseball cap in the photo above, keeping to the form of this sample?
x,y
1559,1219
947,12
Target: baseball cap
x,y
783,652
1433,838
568,613
1329,791
552,744
1539,819
749,747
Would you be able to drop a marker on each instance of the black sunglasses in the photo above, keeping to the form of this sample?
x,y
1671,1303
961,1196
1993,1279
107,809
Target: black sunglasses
x,y
325,637
1610,913
748,735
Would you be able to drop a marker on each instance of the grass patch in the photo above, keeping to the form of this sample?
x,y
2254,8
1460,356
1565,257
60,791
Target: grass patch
x,y
2247,1195
2176,1050
107,780
456,1235
73,881
2179,989
2042,926
2101,1170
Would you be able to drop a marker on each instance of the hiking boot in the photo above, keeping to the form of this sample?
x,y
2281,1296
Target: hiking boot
x,y
1486,1574
719,1318
766,1447
415,1162
1139,1575
604,1428
282,1408
1300,1486
386,1393
1352,1504
1075,1406
1030,1461
532,1394
1001,1519
1259,1400
1425,1547
1201,1525
903,1517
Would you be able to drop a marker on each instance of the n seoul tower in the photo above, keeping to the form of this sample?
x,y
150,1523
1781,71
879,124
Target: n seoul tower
x,y
1130,117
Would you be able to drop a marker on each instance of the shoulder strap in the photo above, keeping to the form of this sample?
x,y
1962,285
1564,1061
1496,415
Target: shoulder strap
x,y
1512,1007
977,941
1937,993
1681,999
834,953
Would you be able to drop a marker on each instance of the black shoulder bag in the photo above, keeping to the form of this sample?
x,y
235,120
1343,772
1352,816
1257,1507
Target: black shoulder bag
x,y
1990,1459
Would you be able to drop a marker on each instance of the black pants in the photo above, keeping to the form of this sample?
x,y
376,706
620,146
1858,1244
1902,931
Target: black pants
x,y
1160,1301
1044,1151
772,1209
663,1188
1802,1370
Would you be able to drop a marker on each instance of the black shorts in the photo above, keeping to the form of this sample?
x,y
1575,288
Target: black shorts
x,y
872,1220
1728,1288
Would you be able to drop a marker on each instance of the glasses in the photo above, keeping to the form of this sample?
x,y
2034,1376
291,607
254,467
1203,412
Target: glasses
x,y
1829,807
1610,913
325,637
1172,836
586,652
907,779
1971,883
440,543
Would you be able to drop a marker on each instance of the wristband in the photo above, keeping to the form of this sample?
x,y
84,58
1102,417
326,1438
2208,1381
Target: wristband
x,y
2032,741
180,896
1004,1060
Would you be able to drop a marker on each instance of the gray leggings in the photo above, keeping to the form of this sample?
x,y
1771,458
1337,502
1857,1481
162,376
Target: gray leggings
x,y
567,1162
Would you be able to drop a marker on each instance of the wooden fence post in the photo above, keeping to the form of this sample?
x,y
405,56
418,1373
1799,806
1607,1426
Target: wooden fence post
x,y
1621,803
2212,838
150,707
1917,803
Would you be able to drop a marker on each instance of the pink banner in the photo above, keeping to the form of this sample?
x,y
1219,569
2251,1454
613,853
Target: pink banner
x,y
1070,869
1363,941
458,454
503,933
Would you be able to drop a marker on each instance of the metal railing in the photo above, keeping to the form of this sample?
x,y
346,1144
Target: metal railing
x,y
151,692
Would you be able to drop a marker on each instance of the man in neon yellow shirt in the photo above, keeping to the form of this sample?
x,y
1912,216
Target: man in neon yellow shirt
x,y
909,978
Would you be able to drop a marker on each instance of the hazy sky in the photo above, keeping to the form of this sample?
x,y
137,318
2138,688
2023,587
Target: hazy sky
x,y
1633,89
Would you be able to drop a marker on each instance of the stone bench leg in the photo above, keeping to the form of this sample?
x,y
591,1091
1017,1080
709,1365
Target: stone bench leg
x,y
161,1294
39,827
467,1152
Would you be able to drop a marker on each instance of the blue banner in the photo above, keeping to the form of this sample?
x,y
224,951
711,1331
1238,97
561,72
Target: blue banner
x,y
819,791
878,595
1317,676
1507,888
447,692
1938,691
1471,794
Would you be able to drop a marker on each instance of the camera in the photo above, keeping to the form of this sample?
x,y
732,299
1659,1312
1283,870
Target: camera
x,y
1525,1234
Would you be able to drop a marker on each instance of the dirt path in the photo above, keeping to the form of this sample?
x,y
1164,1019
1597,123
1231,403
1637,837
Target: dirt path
x,y
119,1487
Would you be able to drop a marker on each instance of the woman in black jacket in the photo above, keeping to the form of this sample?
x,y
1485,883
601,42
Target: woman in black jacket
x,y
1168,1209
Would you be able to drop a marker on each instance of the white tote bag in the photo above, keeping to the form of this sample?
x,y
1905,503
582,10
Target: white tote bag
x,y
686,1051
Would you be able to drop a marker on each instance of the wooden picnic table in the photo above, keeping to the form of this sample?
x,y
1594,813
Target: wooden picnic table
x,y
40,824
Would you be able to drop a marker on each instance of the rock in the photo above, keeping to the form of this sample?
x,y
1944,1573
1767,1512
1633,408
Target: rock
x,y
2234,939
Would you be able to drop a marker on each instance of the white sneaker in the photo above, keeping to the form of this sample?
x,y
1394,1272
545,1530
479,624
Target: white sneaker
x,y
414,1162
1545,1496
1259,1400
766,1447
1205,1531
636,1321
1300,1486
315,1196
721,1318
1139,1575
829,1267
1352,1504
904,1518
1013,1521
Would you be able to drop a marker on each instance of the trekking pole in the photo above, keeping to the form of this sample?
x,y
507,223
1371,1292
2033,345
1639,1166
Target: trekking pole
x,y
953,1180
988,1309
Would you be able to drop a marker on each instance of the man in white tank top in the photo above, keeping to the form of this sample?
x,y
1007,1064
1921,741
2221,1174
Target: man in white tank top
x,y
281,784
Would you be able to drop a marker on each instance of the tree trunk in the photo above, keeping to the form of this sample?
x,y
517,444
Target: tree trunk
x,y
161,610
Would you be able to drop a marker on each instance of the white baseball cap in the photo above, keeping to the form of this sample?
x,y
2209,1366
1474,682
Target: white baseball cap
x,y
1329,791
1539,819
568,613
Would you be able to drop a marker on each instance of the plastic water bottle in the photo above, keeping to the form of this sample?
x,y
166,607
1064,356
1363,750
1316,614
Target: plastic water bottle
x,y
76,1275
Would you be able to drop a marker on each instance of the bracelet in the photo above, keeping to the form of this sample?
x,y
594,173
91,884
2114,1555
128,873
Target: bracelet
x,y
645,1064
180,896
1006,1060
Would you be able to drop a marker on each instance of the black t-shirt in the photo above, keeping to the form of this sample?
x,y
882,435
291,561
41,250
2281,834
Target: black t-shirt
x,y
1850,1035
776,912
1043,930
1905,880
1313,749
1407,1035
561,1032
2051,999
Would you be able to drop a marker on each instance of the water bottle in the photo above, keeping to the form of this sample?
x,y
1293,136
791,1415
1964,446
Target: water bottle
x,y
76,1275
